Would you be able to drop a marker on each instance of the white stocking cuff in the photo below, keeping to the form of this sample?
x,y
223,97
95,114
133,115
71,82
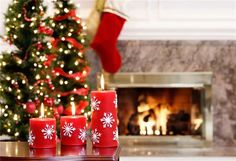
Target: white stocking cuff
x,y
116,7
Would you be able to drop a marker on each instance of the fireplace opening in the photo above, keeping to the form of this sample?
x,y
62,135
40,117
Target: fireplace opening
x,y
169,108
159,111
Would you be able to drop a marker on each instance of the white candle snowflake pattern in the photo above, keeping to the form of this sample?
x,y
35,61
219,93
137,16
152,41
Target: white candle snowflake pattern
x,y
68,129
82,134
116,101
48,132
95,136
115,134
95,103
31,138
107,120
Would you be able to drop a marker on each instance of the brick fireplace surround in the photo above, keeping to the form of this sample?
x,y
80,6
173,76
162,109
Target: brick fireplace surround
x,y
189,56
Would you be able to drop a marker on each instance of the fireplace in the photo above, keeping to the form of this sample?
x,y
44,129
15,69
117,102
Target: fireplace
x,y
163,108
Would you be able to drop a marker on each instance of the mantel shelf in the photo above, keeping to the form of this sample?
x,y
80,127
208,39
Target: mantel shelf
x,y
10,151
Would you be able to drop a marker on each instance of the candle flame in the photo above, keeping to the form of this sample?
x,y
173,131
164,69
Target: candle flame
x,y
102,82
42,110
73,108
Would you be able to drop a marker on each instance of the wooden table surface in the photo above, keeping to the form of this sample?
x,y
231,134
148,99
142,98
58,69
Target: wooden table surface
x,y
13,151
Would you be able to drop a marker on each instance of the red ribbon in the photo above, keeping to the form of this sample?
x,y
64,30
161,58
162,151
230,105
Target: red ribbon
x,y
45,30
81,92
25,16
48,81
49,59
70,40
81,75
71,14
74,43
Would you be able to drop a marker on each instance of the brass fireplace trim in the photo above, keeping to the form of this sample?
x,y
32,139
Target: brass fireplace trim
x,y
199,80
167,79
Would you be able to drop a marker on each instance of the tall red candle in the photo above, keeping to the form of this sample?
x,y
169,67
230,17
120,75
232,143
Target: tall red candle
x,y
104,118
73,129
42,132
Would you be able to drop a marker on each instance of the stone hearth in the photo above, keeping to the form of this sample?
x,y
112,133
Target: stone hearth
x,y
189,56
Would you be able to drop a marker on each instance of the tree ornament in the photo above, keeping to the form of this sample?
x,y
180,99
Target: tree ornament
x,y
60,109
30,107
48,101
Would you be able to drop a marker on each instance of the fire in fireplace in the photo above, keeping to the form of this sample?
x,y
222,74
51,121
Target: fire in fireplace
x,y
159,111
174,105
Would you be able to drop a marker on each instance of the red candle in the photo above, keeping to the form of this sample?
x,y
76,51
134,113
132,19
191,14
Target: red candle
x,y
104,118
73,129
42,132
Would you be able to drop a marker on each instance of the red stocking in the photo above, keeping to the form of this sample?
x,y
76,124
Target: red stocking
x,y
105,41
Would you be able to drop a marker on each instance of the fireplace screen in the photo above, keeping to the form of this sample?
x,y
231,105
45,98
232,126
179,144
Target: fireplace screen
x,y
163,104
159,111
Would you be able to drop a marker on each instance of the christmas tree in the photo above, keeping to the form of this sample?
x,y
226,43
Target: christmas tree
x,y
70,66
25,80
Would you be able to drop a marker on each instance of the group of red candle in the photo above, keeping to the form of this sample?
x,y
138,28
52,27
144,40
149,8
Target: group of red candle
x,y
73,130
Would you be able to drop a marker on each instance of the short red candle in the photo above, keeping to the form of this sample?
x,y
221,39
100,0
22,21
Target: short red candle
x,y
104,119
73,130
42,133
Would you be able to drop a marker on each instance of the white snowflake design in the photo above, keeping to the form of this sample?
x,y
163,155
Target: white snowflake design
x,y
82,134
95,103
68,129
107,120
31,138
48,131
115,134
116,101
95,136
